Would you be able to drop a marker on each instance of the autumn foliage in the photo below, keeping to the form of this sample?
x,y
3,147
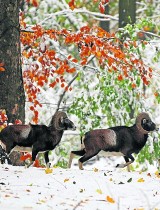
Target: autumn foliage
x,y
45,65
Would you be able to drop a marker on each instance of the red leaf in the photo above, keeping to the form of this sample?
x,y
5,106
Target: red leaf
x,y
120,77
18,122
2,69
62,85
133,85
72,5
32,108
35,3
85,29
145,81
156,94
101,8
53,84
25,157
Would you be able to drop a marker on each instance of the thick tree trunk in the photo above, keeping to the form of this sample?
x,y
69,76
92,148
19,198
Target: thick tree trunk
x,y
12,97
127,12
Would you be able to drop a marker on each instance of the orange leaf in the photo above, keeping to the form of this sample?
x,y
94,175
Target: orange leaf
x,y
35,3
145,81
40,83
53,84
110,200
85,29
98,54
69,57
84,61
101,8
36,163
31,108
71,5
66,88
156,94
18,122
133,85
74,60
71,70
62,85
2,69
25,157
120,77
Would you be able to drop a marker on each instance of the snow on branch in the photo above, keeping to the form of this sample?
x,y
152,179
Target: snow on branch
x,y
66,12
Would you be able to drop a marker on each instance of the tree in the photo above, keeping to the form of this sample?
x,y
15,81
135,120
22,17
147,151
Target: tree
x,y
66,46
12,97
127,12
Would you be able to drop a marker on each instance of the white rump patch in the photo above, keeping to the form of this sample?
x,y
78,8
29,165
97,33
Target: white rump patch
x,y
110,137
25,132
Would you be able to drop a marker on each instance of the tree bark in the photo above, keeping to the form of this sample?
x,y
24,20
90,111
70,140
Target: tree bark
x,y
12,97
127,12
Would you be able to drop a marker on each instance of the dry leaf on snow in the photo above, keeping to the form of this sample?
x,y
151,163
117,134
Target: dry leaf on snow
x,y
48,170
99,191
140,180
109,199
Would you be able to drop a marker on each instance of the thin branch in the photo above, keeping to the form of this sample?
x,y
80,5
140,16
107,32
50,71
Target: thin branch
x,y
85,11
78,204
78,65
64,92
150,33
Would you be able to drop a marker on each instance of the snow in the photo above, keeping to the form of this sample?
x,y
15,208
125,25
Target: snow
x,y
73,189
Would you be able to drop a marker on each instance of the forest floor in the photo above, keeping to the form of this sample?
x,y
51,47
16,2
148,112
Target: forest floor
x,y
73,189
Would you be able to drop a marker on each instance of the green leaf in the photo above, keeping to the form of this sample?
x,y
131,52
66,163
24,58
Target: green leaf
x,y
129,180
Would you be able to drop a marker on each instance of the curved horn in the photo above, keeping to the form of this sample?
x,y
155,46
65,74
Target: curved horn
x,y
139,120
55,122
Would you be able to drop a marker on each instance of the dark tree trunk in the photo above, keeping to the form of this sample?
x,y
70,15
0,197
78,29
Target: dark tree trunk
x,y
127,12
12,97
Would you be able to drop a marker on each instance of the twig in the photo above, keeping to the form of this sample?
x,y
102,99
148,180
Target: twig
x,y
78,204
60,183
64,92
150,33
85,11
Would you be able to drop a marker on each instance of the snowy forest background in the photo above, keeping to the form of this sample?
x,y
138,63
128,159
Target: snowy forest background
x,y
102,91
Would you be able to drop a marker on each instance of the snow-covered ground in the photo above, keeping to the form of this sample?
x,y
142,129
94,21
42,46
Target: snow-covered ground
x,y
73,189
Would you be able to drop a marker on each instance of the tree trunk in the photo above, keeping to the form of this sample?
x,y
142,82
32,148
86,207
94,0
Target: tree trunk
x,y
127,12
12,97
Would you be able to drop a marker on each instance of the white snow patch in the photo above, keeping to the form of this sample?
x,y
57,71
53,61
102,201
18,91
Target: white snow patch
x,y
70,189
